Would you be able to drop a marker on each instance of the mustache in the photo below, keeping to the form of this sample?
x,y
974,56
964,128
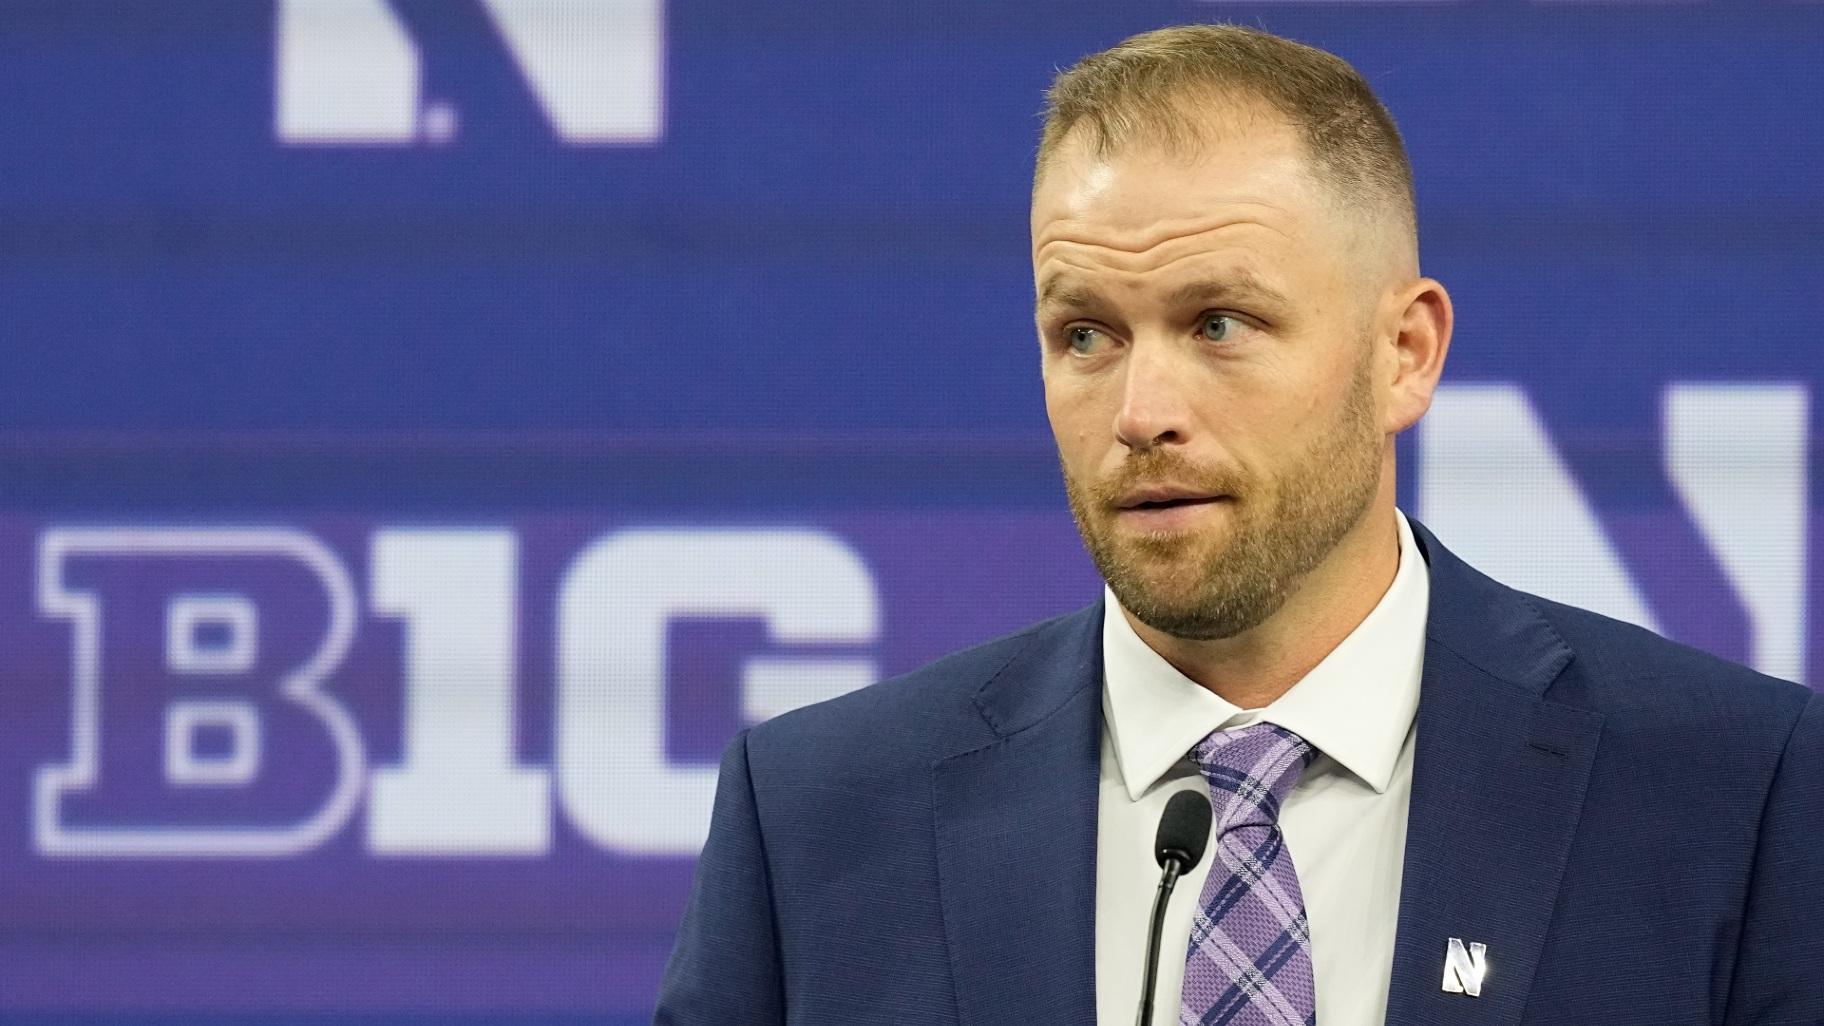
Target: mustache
x,y
1163,467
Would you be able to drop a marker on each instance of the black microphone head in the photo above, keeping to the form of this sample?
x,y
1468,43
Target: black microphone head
x,y
1184,830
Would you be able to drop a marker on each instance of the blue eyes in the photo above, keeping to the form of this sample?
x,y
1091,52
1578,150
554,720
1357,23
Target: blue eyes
x,y
1217,327
1084,340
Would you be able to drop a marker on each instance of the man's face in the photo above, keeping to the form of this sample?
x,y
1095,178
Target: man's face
x,y
1208,370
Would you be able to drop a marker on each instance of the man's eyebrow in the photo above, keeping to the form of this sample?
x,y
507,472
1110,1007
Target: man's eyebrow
x,y
1236,285
1059,290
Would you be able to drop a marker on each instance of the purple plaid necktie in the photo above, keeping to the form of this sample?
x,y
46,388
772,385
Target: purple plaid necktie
x,y
1249,962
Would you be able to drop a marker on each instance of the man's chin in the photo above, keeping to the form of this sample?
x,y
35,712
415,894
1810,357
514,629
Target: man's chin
x,y
1154,599
1202,616
1176,616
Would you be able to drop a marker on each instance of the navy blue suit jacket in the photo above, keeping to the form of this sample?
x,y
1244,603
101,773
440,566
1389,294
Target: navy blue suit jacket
x,y
1634,828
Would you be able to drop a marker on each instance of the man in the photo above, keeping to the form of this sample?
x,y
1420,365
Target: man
x,y
1437,800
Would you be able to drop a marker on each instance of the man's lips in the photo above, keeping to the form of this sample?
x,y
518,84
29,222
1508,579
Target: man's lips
x,y
1156,510
1164,498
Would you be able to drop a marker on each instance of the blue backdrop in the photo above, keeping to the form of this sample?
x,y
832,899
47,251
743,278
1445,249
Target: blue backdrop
x,y
430,428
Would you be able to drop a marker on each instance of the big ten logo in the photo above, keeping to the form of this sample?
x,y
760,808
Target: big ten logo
x,y
206,719
350,72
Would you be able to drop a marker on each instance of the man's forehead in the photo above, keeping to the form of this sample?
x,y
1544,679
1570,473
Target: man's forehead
x,y
1132,193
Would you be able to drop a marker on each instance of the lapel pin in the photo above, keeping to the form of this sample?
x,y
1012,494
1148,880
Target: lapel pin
x,y
1465,968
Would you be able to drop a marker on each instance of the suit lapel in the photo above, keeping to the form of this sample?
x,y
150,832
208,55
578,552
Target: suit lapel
x,y
1499,775
1016,836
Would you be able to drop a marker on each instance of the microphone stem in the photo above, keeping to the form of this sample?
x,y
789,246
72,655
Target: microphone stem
x,y
1167,881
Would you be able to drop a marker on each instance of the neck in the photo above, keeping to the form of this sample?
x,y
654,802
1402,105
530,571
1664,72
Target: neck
x,y
1252,669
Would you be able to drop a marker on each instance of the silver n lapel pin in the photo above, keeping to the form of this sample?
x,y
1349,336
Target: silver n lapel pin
x,y
1464,968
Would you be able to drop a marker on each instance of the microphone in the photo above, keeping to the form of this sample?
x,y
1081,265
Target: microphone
x,y
1184,831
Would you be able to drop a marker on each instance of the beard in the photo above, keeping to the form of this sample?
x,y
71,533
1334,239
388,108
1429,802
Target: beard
x,y
1193,585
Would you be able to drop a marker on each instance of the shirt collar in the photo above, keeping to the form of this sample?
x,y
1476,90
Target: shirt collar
x,y
1355,706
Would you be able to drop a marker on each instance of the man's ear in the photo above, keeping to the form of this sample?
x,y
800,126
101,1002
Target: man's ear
x,y
1417,344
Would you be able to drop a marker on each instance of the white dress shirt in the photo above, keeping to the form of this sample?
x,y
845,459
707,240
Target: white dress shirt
x,y
1344,823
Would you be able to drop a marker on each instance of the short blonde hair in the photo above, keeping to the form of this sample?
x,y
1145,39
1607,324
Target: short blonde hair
x,y
1152,86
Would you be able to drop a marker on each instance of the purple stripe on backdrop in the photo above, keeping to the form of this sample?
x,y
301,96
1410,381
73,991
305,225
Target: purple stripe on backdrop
x,y
529,976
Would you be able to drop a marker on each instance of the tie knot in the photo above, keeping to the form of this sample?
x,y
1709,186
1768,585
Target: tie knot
x,y
1250,771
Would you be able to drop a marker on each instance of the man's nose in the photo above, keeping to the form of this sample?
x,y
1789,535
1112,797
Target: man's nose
x,y
1155,400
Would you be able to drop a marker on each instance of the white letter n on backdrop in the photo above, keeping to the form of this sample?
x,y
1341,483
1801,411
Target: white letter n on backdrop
x,y
348,72
1492,485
